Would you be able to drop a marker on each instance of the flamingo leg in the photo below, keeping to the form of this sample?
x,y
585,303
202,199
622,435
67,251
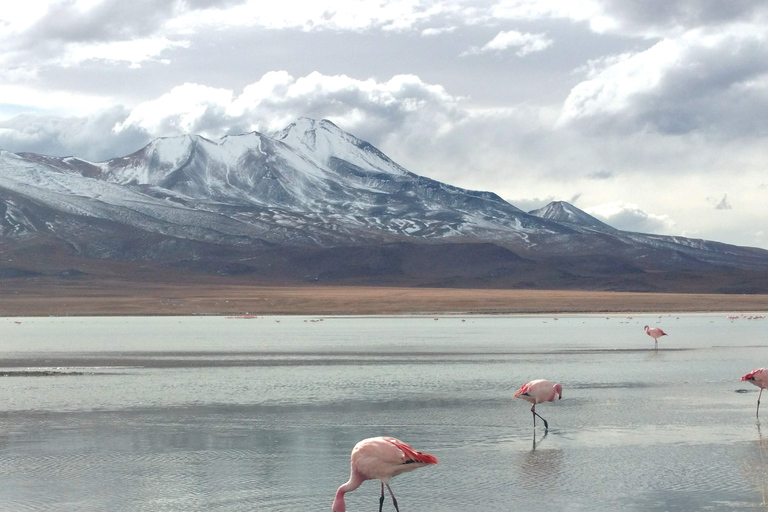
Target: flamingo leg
x,y
533,410
394,500
381,500
758,403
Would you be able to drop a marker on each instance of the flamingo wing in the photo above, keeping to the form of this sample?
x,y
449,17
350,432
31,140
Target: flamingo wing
x,y
524,390
411,455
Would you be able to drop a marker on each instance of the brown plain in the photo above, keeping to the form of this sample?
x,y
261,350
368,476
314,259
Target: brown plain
x,y
44,297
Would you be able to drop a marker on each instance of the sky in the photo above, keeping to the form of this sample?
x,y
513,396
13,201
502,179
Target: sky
x,y
650,115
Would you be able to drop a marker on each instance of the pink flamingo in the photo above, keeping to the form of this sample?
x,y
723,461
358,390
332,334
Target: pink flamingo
x,y
759,378
655,333
380,458
538,391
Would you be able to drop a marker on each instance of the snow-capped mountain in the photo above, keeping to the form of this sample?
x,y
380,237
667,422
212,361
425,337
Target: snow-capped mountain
x,y
311,187
563,212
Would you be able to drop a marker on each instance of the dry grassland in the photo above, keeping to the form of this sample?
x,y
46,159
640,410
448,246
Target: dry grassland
x,y
41,298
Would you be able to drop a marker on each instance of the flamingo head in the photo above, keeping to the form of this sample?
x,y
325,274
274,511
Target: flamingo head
x,y
646,328
750,376
338,503
559,391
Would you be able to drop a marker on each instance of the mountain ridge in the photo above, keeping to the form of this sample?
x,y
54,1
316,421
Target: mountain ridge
x,y
245,201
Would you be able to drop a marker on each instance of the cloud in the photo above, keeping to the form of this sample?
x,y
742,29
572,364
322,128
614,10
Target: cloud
x,y
662,19
525,42
310,15
528,10
403,106
629,217
89,137
107,20
613,82
643,19
187,108
720,204
68,32
533,203
709,83
430,32
368,108
600,175
28,99
133,52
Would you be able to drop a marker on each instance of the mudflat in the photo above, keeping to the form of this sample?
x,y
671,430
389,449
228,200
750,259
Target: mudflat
x,y
31,297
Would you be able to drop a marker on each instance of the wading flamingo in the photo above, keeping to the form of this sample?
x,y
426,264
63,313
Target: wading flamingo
x,y
538,391
655,333
759,378
380,458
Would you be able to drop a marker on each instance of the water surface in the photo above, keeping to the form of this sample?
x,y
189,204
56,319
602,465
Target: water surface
x,y
217,414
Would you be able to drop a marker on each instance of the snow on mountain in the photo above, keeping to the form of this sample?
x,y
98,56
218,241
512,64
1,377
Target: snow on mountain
x,y
73,194
315,170
325,142
309,185
560,211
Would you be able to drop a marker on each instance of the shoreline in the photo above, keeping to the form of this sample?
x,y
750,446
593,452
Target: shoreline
x,y
162,299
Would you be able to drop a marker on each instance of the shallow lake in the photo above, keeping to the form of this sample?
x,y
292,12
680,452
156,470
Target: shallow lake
x,y
230,414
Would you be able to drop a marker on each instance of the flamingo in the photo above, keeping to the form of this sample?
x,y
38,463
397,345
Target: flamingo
x,y
759,378
655,333
380,458
538,391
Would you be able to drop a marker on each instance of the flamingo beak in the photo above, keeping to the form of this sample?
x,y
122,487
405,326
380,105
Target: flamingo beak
x,y
560,396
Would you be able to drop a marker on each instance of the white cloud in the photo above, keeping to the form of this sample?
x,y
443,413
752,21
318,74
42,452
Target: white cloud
x,y
187,108
714,82
364,107
88,137
584,10
316,14
629,217
614,81
56,101
525,43
430,32
530,204
649,20
133,52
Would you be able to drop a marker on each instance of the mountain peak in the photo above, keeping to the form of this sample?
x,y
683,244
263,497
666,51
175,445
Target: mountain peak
x,y
324,142
562,211
303,134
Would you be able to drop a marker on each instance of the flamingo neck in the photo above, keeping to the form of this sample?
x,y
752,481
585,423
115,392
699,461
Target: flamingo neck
x,y
355,479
